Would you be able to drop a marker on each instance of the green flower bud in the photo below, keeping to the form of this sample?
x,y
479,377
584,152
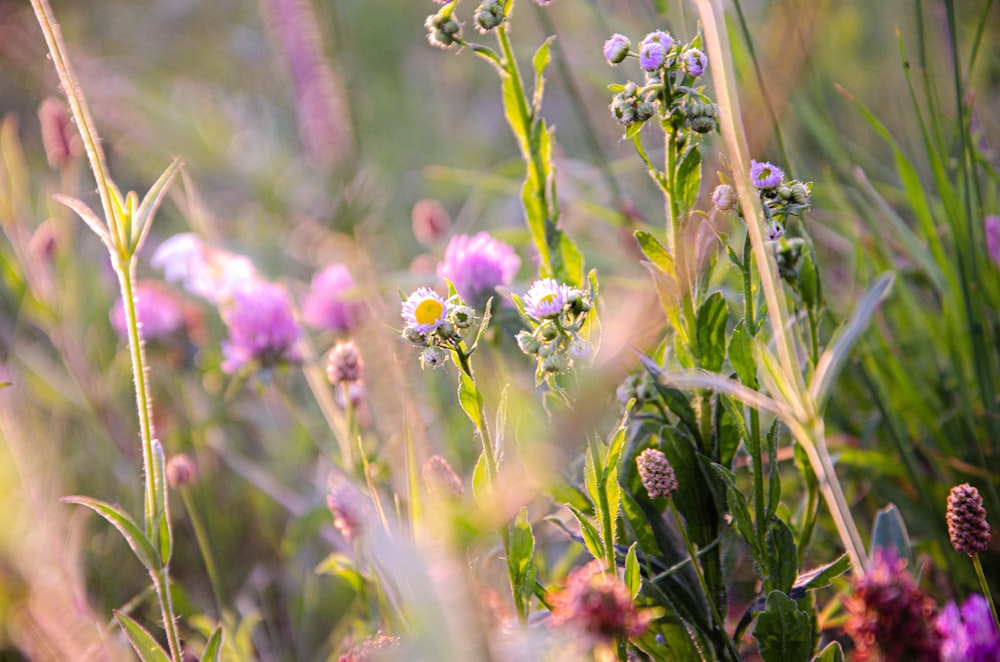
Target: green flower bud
x,y
555,364
433,357
462,316
414,337
799,193
528,343
447,330
488,15
548,332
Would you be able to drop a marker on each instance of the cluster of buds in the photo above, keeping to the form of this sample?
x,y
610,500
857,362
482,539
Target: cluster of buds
x,y
671,70
637,386
489,14
780,198
436,324
557,313
443,30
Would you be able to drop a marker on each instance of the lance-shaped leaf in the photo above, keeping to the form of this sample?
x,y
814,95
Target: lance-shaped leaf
x,y
119,519
88,216
831,361
147,208
144,644
213,649
164,536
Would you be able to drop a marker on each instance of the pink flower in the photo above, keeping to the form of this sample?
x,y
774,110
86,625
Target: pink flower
x,y
261,327
476,265
991,226
599,604
157,309
331,302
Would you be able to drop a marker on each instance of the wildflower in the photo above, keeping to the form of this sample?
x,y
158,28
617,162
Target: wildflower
x,y
694,62
440,478
157,309
207,272
181,471
425,310
658,37
991,227
476,265
616,48
764,175
348,510
967,526
58,134
599,604
546,298
656,473
888,616
442,29
724,198
430,221
652,55
344,364
261,327
330,303
968,635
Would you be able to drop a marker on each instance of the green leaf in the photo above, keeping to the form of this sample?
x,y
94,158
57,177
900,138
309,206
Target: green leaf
x,y
740,355
471,400
593,469
693,498
774,476
832,653
633,577
740,511
889,533
342,566
591,538
833,358
144,644
539,62
824,575
481,488
143,216
809,281
712,317
521,561
88,216
677,401
213,649
784,633
633,130
119,519
164,536
782,556
688,182
655,251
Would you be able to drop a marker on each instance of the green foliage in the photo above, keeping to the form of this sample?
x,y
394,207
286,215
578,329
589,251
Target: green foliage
x,y
784,632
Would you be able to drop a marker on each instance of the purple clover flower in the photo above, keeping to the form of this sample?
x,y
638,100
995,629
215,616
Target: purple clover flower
x,y
616,48
261,327
330,303
546,298
694,62
969,634
476,265
991,227
157,309
210,273
425,310
765,175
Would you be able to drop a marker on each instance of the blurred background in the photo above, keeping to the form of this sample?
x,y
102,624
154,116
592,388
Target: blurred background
x,y
309,130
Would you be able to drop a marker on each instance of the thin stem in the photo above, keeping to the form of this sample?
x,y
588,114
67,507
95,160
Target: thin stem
x,y
719,622
204,547
978,565
161,584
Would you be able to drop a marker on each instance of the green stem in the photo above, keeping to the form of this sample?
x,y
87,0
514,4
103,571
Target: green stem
x,y
756,457
692,552
161,584
204,547
977,564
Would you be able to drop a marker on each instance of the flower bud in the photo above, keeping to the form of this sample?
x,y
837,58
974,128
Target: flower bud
x,y
799,193
702,117
548,332
430,221
414,337
181,471
967,526
442,29
440,478
433,357
694,62
656,473
58,133
555,364
462,316
724,198
344,364
616,49
488,15
447,330
528,343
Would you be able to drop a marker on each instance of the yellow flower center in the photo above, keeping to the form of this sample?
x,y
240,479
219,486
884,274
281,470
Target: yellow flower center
x,y
547,299
428,311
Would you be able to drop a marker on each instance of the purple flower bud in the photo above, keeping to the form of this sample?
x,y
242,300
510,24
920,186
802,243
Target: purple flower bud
x,y
694,62
765,175
991,227
157,309
652,55
58,134
261,327
331,302
476,265
616,48
546,298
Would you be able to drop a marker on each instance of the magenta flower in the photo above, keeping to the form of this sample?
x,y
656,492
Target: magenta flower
x,y
425,310
157,309
546,298
969,635
599,605
765,175
476,265
208,272
261,327
331,302
991,226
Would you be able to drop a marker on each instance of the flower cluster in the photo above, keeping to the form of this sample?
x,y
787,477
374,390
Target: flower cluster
x,y
780,198
598,603
436,324
262,328
968,529
557,313
671,70
159,311
888,616
443,30
969,634
332,302
476,265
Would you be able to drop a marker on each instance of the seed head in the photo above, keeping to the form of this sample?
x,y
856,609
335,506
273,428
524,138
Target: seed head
x,y
656,473
344,364
967,526
181,471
